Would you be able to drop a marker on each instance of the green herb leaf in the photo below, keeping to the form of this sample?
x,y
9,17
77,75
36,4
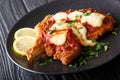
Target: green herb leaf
x,y
80,27
99,45
59,23
48,23
73,21
83,62
73,65
96,54
91,52
106,47
114,32
87,13
45,62
69,25
108,13
49,31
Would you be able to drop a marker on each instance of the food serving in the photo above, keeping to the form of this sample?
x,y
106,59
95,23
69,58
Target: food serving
x,y
63,34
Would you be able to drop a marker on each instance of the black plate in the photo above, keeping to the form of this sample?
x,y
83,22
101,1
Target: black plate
x,y
31,19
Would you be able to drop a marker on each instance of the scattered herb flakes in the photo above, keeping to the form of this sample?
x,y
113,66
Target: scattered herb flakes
x,y
88,53
96,54
46,62
73,21
48,22
69,25
106,47
49,31
59,23
49,15
99,46
83,62
102,45
54,28
114,32
73,65
87,13
79,28
77,16
109,13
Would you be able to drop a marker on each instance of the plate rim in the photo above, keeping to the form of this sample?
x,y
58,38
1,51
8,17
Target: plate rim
x,y
31,12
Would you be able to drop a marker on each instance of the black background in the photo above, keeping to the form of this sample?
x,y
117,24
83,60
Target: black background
x,y
13,10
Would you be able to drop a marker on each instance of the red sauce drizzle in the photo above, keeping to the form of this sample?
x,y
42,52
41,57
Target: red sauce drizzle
x,y
51,22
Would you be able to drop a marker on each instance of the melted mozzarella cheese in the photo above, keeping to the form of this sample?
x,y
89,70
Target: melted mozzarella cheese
x,y
59,26
59,16
59,38
80,32
73,15
94,19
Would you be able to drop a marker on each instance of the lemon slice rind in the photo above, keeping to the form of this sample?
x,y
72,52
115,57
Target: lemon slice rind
x,y
23,43
25,32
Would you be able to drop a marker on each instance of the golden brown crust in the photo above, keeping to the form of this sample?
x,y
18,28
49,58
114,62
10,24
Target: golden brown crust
x,y
66,56
44,50
41,25
37,49
50,49
94,33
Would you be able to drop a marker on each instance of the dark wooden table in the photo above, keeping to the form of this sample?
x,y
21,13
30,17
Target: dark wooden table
x,y
10,12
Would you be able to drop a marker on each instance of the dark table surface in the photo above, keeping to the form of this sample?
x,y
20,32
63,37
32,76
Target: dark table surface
x,y
10,12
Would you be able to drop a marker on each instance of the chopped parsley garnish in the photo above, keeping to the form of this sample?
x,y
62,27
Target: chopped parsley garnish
x,y
108,13
87,13
46,62
59,23
73,65
49,31
114,32
73,21
101,45
48,23
49,15
69,25
106,47
80,27
88,53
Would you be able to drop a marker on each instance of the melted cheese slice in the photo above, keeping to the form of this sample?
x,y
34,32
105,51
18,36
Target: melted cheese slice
x,y
80,32
60,16
94,19
74,15
59,26
59,38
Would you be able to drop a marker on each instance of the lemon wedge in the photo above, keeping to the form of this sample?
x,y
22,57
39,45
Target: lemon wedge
x,y
23,43
25,32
